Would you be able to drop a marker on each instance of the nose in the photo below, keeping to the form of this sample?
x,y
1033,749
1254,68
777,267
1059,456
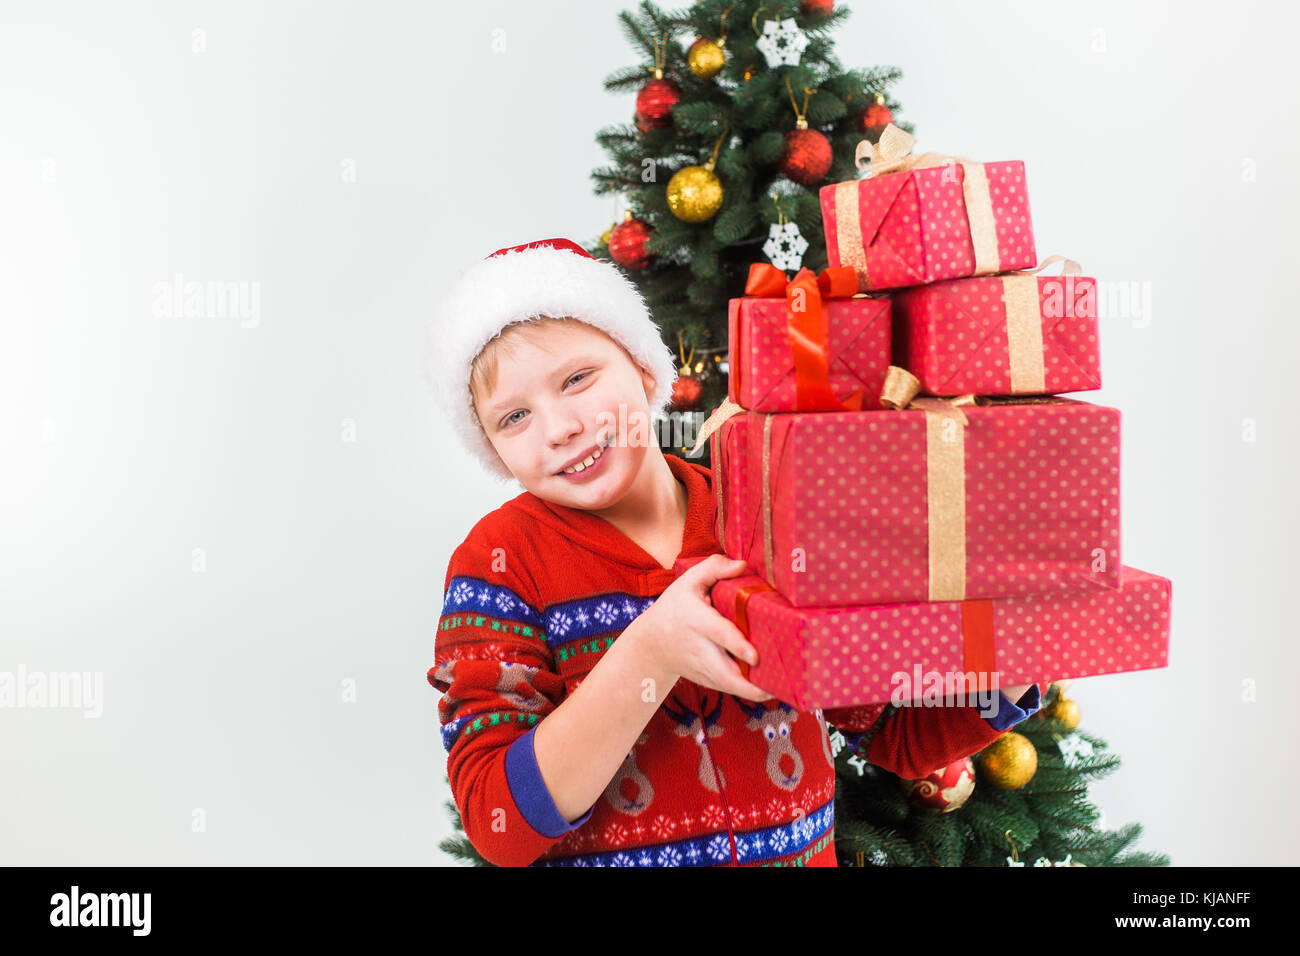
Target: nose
x,y
563,425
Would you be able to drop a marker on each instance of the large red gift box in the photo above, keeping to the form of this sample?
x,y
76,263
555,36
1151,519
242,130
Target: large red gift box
x,y
1000,335
938,501
936,218
761,373
850,656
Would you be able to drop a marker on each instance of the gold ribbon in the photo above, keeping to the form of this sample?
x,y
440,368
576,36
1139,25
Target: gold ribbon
x,y
1024,316
893,154
945,476
719,476
714,421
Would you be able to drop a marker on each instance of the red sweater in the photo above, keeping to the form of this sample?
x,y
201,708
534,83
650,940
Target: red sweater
x,y
535,594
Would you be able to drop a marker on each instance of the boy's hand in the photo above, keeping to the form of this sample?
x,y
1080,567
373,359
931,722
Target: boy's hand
x,y
687,636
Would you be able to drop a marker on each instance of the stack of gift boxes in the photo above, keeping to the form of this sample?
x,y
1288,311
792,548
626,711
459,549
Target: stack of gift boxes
x,y
912,497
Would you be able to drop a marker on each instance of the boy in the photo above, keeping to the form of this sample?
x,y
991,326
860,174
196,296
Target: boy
x,y
593,711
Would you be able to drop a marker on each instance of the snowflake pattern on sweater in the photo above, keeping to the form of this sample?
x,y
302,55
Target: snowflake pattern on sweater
x,y
533,597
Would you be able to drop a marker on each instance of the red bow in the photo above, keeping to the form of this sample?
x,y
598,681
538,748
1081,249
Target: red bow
x,y
808,328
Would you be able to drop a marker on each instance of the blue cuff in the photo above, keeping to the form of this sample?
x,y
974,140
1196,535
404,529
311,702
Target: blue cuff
x,y
529,790
1010,714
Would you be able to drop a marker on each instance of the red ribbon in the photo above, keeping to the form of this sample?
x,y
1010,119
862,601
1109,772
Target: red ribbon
x,y
808,328
978,650
743,594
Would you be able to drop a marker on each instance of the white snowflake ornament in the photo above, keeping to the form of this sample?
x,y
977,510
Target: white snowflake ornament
x,y
782,43
837,743
785,246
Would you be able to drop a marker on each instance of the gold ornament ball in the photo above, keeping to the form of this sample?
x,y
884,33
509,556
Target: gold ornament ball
x,y
1064,710
1009,762
706,59
604,236
694,194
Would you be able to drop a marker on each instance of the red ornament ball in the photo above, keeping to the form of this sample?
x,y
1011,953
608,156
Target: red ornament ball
x,y
944,790
655,102
818,6
627,244
807,157
686,393
875,116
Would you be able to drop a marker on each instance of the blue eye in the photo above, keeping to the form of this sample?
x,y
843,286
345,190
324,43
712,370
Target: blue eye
x,y
509,420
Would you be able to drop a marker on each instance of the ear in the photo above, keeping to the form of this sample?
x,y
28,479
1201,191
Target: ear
x,y
649,382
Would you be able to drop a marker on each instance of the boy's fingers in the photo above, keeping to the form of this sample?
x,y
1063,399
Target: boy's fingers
x,y
743,688
723,673
734,641
718,566
734,683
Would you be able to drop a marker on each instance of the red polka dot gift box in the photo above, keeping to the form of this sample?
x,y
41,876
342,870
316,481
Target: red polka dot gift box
x,y
1011,334
839,657
933,500
913,220
807,344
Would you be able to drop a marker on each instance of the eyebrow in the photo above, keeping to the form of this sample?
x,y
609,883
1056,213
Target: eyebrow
x,y
498,407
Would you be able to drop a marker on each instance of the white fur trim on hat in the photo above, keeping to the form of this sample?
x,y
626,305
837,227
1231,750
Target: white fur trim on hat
x,y
526,284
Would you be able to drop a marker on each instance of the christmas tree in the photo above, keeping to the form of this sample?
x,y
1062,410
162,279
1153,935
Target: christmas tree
x,y
742,113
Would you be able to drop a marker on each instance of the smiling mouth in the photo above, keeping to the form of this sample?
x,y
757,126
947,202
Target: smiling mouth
x,y
587,462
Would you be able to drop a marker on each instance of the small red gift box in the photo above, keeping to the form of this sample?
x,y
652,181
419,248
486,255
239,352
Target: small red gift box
x,y
920,219
833,657
939,501
1015,334
782,335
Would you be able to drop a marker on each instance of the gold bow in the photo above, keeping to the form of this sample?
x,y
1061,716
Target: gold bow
x,y
892,154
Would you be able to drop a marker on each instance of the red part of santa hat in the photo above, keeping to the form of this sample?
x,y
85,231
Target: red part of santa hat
x,y
547,277
553,243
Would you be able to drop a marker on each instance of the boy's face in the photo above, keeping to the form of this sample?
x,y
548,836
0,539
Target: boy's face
x,y
557,398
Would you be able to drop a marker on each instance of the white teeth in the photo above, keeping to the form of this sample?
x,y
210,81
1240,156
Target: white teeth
x,y
582,465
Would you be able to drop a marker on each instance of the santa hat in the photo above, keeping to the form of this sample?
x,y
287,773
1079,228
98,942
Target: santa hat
x,y
550,277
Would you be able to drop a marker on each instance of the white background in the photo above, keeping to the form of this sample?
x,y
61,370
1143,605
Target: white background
x,y
130,439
